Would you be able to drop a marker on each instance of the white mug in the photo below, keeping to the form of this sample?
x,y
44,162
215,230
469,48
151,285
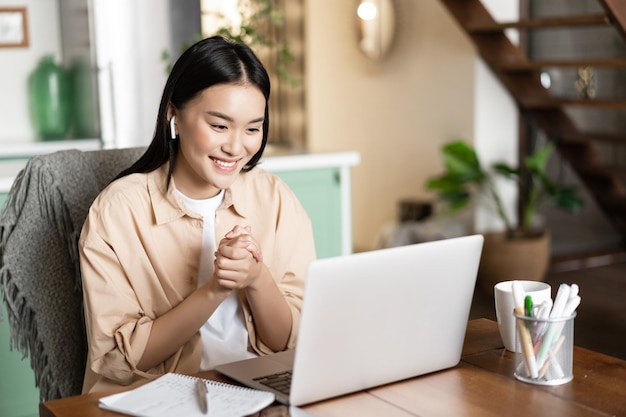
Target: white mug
x,y
539,292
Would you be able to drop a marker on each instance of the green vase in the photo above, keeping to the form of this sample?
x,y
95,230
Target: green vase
x,y
49,95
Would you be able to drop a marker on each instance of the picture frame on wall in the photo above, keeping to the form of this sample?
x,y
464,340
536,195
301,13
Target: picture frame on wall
x,y
13,27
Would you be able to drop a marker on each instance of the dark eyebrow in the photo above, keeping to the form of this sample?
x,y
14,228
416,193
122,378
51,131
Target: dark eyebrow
x,y
230,119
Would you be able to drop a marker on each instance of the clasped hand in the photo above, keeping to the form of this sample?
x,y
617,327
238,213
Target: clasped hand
x,y
238,259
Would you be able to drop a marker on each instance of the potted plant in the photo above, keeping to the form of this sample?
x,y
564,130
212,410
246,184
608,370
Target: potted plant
x,y
256,23
522,250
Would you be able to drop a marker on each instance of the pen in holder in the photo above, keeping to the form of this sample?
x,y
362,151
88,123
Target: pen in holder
x,y
551,343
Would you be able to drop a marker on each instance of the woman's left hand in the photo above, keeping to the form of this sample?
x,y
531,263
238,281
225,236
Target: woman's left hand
x,y
238,259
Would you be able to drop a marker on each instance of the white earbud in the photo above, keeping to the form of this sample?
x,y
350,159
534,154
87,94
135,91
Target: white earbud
x,y
172,128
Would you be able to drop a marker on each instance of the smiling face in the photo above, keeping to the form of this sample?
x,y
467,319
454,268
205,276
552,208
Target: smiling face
x,y
219,131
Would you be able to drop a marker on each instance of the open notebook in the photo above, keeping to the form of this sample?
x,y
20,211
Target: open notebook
x,y
175,395
372,318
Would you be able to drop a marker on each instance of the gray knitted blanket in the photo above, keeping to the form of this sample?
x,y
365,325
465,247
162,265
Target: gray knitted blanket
x,y
40,223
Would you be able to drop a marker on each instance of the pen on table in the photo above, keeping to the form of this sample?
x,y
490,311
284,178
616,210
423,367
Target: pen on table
x,y
560,301
553,362
543,312
202,393
524,333
573,291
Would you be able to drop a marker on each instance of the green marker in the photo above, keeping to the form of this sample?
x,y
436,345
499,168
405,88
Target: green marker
x,y
528,306
528,309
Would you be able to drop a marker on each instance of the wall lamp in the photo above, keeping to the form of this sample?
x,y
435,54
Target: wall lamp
x,y
375,27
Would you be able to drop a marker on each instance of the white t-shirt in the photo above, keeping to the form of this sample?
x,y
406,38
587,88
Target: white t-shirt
x,y
224,335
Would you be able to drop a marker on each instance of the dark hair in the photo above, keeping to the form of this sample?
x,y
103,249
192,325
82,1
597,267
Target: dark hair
x,y
211,61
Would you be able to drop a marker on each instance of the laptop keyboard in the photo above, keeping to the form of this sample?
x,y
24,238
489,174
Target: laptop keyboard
x,y
281,382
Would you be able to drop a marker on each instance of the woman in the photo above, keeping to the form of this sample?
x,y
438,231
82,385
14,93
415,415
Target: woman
x,y
192,257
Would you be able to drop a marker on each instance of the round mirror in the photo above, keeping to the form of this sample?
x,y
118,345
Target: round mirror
x,y
375,25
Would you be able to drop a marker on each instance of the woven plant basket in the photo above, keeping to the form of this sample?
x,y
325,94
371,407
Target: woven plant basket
x,y
504,259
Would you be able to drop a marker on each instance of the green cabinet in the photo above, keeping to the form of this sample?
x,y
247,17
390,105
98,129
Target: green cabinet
x,y
319,191
18,395
322,182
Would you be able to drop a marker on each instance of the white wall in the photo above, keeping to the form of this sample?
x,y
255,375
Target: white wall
x,y
16,64
130,37
496,124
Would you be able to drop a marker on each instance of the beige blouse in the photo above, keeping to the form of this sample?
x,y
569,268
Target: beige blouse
x,y
140,250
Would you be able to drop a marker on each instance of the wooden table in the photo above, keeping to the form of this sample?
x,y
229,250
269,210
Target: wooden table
x,y
481,385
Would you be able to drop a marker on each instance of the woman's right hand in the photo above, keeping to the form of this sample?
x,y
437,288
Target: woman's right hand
x,y
238,259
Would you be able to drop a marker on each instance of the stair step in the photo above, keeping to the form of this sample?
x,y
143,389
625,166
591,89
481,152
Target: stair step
x,y
615,9
603,169
589,259
587,137
511,66
556,102
616,202
539,23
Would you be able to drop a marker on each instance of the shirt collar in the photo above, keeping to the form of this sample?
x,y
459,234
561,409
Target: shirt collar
x,y
235,196
167,206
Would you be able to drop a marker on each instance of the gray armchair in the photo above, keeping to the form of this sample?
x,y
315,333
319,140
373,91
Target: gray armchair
x,y
40,275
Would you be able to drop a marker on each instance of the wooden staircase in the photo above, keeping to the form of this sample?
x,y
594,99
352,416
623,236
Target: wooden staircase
x,y
604,179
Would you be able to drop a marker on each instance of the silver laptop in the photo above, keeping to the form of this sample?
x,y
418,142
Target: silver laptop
x,y
373,318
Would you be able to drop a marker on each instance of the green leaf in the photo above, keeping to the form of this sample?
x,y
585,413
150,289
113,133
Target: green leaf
x,y
247,30
506,170
461,161
567,199
276,18
456,200
446,184
538,161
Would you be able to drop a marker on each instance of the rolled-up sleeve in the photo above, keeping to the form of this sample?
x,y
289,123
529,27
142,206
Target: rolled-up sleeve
x,y
117,327
294,250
